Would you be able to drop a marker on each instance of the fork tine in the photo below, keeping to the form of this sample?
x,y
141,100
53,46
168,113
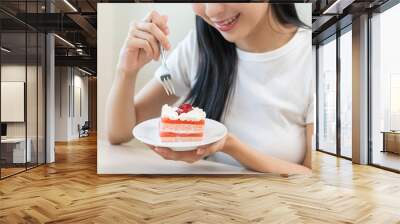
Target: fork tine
x,y
171,85
166,78
166,89
164,84
167,84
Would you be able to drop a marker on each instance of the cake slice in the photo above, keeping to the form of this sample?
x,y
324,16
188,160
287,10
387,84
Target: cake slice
x,y
182,124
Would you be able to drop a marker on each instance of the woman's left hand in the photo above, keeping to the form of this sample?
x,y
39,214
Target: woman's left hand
x,y
193,155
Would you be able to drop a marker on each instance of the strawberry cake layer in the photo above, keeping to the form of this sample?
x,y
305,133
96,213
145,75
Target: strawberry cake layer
x,y
182,124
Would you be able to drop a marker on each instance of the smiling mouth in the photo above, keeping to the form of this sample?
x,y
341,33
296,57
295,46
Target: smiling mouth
x,y
227,24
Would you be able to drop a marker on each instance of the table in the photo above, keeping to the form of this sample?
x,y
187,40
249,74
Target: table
x,y
13,150
391,141
137,159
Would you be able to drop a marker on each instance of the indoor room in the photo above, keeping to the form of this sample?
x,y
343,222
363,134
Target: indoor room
x,y
289,111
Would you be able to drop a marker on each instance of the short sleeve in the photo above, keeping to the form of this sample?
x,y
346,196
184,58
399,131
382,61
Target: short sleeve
x,y
181,63
310,111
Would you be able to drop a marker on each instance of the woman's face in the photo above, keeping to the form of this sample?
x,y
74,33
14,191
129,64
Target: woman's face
x,y
234,21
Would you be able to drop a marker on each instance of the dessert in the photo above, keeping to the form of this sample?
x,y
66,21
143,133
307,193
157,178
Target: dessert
x,y
181,124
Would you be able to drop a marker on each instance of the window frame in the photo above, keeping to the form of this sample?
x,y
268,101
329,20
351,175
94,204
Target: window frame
x,y
334,37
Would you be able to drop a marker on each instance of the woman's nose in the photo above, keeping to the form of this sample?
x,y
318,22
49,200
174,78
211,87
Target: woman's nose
x,y
214,9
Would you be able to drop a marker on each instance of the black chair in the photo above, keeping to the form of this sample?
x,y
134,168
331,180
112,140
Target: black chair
x,y
84,130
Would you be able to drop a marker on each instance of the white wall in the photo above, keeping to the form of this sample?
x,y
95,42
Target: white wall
x,y
61,103
67,81
111,37
33,127
304,12
14,73
12,100
80,83
17,73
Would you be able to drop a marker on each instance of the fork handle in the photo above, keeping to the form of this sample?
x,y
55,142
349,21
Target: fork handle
x,y
162,52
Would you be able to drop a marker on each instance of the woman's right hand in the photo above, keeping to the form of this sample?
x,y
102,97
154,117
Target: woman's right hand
x,y
142,43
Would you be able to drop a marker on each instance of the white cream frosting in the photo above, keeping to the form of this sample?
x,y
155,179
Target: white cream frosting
x,y
196,114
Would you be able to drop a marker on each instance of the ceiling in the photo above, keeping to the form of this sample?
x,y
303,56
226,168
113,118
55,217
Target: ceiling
x,y
330,16
77,25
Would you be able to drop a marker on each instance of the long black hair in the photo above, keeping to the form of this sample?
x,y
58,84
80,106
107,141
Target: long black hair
x,y
217,65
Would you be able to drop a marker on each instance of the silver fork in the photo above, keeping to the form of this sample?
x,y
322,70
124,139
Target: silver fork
x,y
166,78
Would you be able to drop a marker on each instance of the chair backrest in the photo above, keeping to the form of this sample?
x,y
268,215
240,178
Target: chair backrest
x,y
86,124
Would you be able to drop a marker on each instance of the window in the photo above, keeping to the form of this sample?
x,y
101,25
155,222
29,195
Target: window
x,y
22,77
327,97
395,101
385,89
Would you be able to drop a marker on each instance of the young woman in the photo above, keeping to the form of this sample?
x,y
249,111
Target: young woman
x,y
247,65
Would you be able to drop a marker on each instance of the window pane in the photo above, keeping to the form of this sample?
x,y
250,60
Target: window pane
x,y
41,98
346,94
14,153
386,89
31,99
327,97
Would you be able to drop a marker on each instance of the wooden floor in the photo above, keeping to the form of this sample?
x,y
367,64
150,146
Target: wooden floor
x,y
5,172
70,191
9,171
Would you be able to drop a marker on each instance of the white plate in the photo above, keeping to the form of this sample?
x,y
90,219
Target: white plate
x,y
148,133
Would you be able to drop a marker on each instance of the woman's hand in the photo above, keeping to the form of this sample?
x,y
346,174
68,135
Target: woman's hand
x,y
194,155
250,158
142,43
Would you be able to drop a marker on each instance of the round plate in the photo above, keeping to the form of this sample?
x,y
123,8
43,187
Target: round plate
x,y
148,133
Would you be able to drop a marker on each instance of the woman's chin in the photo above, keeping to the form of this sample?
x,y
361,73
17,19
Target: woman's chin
x,y
229,37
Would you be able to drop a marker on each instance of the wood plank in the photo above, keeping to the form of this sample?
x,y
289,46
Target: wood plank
x,y
70,191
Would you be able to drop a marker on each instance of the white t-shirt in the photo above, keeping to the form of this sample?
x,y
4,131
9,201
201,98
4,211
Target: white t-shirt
x,y
273,98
